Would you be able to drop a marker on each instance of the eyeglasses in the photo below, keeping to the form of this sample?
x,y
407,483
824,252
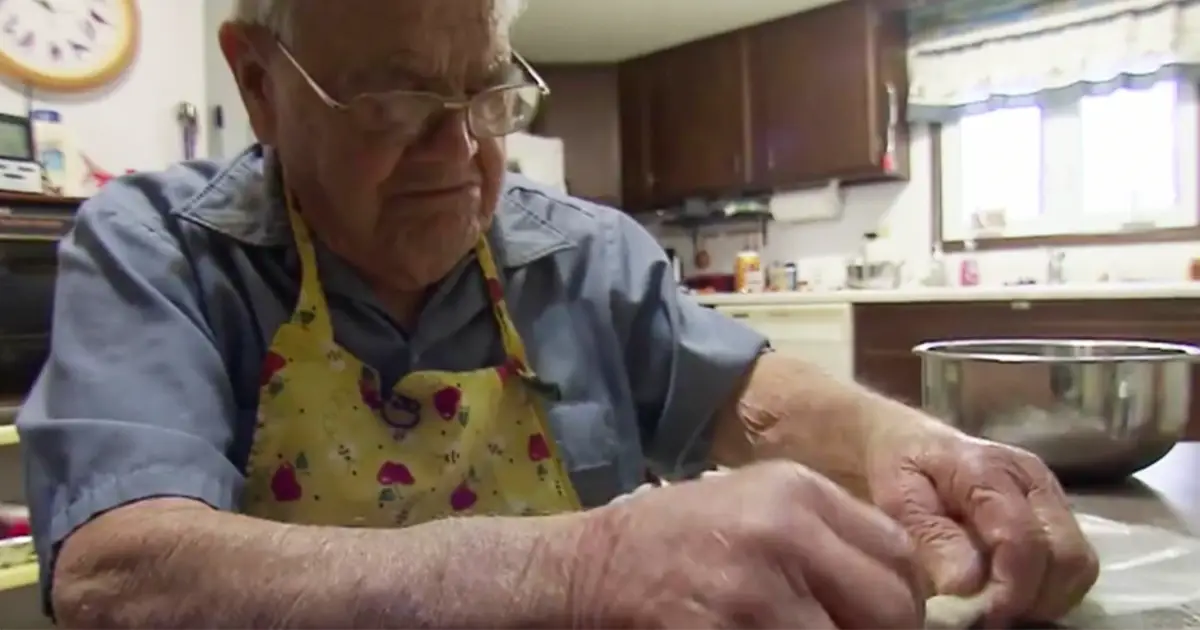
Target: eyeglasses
x,y
495,111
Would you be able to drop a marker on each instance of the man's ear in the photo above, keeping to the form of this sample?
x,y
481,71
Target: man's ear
x,y
249,68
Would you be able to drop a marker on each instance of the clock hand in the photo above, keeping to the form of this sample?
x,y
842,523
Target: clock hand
x,y
45,4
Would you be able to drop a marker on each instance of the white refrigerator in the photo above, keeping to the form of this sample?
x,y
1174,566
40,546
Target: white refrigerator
x,y
538,158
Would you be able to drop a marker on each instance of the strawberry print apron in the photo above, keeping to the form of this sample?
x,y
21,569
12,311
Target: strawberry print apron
x,y
332,448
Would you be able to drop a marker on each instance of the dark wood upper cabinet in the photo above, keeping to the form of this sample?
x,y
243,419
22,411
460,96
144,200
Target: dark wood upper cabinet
x,y
636,81
787,104
698,119
827,89
583,109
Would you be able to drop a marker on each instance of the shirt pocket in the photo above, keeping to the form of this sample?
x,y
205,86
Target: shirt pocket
x,y
587,437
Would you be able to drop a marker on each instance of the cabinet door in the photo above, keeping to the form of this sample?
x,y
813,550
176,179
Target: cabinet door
x,y
637,175
821,335
820,102
582,110
698,119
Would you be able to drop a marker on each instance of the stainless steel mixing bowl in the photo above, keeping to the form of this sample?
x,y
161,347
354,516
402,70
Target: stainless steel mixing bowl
x,y
1095,411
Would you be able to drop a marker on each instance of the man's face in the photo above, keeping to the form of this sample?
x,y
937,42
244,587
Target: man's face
x,y
402,203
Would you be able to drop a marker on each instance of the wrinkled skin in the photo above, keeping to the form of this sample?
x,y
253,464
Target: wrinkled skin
x,y
771,545
402,211
984,518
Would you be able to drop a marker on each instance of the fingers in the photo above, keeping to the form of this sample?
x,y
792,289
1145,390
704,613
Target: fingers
x,y
1072,565
1020,549
874,533
792,607
801,613
856,589
949,556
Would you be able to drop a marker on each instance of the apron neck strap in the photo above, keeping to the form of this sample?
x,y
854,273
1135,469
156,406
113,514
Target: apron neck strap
x,y
514,348
313,311
311,308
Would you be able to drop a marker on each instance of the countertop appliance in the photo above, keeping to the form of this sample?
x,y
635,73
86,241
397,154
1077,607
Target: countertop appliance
x,y
19,170
30,227
27,272
1095,411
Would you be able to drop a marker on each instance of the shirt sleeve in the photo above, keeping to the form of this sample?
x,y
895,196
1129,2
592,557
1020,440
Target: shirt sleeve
x,y
683,359
134,401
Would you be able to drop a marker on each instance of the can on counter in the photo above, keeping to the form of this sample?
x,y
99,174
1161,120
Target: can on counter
x,y
791,277
748,274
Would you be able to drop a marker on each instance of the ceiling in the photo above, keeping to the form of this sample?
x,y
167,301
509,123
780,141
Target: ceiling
x,y
579,31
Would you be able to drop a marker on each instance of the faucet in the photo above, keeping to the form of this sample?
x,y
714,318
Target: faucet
x,y
1055,274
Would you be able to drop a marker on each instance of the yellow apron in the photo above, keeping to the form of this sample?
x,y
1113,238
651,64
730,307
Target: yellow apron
x,y
331,448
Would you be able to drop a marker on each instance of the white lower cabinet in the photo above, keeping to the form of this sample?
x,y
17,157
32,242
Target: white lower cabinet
x,y
821,334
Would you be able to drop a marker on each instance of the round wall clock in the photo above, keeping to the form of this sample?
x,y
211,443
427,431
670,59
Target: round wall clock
x,y
67,45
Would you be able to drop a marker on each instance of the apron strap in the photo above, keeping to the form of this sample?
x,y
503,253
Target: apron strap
x,y
311,309
514,347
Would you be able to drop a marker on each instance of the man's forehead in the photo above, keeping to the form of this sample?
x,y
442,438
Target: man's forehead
x,y
436,38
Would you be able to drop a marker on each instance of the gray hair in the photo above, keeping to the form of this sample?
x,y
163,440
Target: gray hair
x,y
273,15
276,15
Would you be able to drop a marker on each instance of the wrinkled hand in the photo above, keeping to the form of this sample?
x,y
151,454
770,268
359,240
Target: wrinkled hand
x,y
772,545
986,518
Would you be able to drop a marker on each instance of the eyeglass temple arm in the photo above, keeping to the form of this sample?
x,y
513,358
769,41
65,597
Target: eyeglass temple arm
x,y
533,74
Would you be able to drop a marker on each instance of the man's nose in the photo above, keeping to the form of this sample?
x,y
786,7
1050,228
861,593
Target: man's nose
x,y
448,137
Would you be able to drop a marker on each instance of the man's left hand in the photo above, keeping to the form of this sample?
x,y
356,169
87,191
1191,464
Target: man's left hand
x,y
986,518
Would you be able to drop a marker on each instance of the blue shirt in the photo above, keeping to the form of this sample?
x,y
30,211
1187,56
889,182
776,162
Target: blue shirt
x,y
171,286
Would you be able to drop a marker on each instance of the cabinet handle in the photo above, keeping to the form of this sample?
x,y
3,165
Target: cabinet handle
x,y
885,138
739,315
770,159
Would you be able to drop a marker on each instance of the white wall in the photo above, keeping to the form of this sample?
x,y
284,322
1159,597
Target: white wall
x,y
902,212
132,123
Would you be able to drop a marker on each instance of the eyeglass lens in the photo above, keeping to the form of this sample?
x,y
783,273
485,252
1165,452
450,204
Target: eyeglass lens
x,y
495,112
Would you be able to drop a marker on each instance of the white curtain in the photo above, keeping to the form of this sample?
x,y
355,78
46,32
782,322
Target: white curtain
x,y
1095,49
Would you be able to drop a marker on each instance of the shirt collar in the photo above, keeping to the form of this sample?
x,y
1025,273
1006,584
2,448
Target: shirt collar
x,y
244,202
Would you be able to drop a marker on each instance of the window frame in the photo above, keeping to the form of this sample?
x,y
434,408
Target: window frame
x,y
1061,146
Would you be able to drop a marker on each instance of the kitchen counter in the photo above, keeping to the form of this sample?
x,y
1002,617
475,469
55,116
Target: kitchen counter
x,y
1165,495
1096,291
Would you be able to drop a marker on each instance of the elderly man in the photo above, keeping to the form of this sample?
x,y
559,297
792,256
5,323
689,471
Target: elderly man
x,y
358,377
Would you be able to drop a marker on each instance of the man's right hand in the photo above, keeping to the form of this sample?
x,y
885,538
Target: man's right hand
x,y
773,545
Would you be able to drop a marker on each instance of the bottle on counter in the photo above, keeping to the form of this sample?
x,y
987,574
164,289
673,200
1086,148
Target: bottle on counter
x,y
937,268
777,277
748,273
676,265
968,269
55,150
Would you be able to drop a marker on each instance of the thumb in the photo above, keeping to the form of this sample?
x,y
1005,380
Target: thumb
x,y
952,561
951,558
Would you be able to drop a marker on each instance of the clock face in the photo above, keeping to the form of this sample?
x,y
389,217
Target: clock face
x,y
67,44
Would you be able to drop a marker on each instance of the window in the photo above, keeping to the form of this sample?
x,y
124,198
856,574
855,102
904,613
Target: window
x,y
1129,153
1099,164
1002,164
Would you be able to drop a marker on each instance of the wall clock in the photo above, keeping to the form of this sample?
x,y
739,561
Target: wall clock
x,y
67,45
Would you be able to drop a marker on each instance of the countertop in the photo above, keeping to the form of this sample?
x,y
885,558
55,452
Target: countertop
x,y
1166,494
1096,291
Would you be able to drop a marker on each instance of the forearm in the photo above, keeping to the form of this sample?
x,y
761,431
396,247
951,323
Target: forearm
x,y
179,564
787,408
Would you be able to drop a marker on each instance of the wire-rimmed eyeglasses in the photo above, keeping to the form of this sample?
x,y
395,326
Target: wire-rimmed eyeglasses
x,y
496,111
